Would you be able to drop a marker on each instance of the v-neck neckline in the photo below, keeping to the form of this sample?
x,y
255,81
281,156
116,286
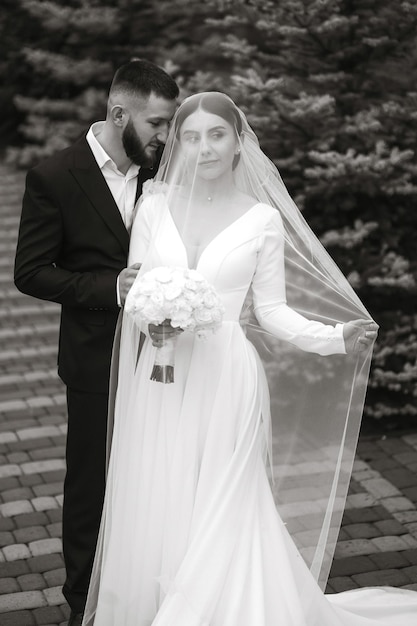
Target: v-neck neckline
x,y
213,240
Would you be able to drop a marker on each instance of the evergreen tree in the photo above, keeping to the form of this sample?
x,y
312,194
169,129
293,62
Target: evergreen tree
x,y
72,63
328,86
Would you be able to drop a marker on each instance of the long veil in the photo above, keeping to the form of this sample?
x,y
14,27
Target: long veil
x,y
316,401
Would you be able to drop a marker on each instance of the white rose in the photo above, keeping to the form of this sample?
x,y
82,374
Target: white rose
x,y
162,274
172,291
202,316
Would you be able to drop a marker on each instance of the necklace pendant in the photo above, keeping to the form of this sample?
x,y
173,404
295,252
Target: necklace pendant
x,y
209,198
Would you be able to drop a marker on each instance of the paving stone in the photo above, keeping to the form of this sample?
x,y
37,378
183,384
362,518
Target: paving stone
x,y
45,546
41,401
390,577
399,503
18,457
54,596
8,585
390,543
13,569
44,503
361,531
380,488
43,466
406,516
390,527
30,444
342,583
7,437
48,453
360,501
45,563
11,482
18,618
355,486
411,439
411,572
390,560
10,470
6,538
351,565
55,577
355,547
55,515
372,454
384,463
60,499
6,523
55,530
30,582
16,552
31,519
406,457
12,405
29,534
366,474
49,489
410,540
48,615
30,480
18,507
38,432
412,528
410,493
343,535
22,600
21,493
393,445
401,477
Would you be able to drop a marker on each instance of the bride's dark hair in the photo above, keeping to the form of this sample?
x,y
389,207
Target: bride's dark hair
x,y
211,102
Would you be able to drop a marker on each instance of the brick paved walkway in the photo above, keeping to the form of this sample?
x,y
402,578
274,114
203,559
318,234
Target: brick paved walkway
x,y
377,543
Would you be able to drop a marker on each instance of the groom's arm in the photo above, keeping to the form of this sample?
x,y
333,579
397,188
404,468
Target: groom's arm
x,y
40,245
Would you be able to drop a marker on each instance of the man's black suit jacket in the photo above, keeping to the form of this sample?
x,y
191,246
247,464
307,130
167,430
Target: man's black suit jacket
x,y
72,245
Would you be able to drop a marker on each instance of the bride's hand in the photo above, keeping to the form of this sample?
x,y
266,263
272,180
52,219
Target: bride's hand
x,y
160,333
359,335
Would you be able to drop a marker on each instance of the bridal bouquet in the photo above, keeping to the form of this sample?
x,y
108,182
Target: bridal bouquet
x,y
180,297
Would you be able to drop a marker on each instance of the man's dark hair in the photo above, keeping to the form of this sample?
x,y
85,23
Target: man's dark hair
x,y
143,77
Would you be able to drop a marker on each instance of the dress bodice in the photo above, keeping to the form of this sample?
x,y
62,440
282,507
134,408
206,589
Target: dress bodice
x,y
246,257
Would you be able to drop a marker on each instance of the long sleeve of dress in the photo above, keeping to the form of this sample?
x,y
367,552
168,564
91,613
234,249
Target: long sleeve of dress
x,y
270,305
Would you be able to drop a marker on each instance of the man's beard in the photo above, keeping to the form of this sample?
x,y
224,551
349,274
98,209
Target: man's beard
x,y
134,147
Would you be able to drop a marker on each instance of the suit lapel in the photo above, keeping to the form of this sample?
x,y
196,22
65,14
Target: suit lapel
x,y
88,175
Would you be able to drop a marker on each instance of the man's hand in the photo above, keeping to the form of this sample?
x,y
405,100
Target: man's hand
x,y
126,280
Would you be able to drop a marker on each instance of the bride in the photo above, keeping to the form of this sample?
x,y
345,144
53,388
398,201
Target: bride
x,y
226,486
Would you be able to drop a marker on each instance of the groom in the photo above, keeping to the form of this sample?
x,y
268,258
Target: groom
x,y
72,249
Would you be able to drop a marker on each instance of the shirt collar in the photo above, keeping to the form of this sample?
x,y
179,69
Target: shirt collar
x,y
101,155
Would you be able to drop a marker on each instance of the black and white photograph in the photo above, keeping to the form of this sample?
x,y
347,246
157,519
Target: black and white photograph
x,y
208,326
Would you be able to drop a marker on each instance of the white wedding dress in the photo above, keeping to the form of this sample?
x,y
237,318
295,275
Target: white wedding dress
x,y
190,534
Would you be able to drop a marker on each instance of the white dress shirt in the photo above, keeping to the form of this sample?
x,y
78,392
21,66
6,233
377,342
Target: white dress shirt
x,y
122,186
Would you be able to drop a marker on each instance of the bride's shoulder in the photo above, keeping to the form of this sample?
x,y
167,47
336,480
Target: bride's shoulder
x,y
152,203
266,213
